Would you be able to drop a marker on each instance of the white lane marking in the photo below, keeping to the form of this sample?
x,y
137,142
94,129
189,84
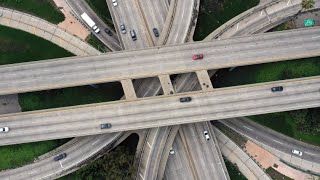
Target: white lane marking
x,y
309,153
237,26
95,142
277,141
62,161
248,128
288,2
141,175
50,175
316,37
261,13
60,164
149,145
79,6
32,172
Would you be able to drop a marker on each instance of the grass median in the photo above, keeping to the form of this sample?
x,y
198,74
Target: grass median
x,y
45,9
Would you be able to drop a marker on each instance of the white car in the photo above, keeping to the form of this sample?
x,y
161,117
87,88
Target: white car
x,y
115,3
4,129
171,151
206,135
296,152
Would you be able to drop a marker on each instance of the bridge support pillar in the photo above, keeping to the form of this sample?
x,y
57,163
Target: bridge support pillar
x,y
128,89
204,80
166,84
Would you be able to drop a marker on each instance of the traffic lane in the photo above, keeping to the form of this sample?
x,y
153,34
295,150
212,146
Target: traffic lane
x,y
154,15
48,168
203,152
55,74
80,7
127,13
181,22
274,139
178,164
160,111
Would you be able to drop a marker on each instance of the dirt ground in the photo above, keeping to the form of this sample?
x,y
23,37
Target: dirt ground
x,y
71,24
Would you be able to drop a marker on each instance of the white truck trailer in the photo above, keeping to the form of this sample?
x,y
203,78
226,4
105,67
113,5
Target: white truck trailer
x,y
90,22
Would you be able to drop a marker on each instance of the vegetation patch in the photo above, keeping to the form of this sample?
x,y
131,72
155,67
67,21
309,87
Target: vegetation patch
x,y
45,9
302,125
233,170
116,164
214,13
70,96
276,175
100,7
95,42
14,156
233,135
284,26
17,46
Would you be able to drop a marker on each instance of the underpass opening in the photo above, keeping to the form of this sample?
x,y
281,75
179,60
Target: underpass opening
x,y
178,80
72,96
153,85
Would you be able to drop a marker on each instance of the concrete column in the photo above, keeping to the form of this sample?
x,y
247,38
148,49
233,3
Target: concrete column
x,y
128,89
204,80
166,84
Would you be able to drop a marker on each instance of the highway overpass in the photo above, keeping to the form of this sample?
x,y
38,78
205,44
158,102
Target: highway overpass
x,y
76,71
216,104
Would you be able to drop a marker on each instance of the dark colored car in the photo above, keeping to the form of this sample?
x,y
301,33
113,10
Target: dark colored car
x,y
155,32
60,156
197,56
108,31
133,35
277,88
185,99
105,126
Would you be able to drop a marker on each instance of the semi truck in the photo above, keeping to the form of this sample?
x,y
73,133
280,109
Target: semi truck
x,y
90,22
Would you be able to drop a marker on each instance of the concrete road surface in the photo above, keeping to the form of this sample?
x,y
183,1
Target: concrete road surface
x,y
160,111
79,7
273,139
76,71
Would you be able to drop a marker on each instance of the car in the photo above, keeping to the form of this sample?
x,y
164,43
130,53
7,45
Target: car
x,y
197,56
185,99
4,129
155,32
296,152
133,35
105,126
108,31
206,135
171,151
123,29
115,3
277,88
60,156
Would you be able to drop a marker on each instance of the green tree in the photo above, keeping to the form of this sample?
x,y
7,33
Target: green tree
x,y
307,4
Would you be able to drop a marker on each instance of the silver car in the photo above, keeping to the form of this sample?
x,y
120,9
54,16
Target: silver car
x,y
123,29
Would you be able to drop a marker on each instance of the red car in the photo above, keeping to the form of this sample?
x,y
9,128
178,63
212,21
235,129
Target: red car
x,y
197,56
